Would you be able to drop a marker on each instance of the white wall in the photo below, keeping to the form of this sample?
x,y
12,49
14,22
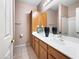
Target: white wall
x,y
72,9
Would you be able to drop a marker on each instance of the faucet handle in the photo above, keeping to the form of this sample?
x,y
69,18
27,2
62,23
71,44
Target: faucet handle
x,y
59,32
77,32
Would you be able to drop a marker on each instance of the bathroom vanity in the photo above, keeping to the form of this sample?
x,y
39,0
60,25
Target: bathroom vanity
x,y
53,47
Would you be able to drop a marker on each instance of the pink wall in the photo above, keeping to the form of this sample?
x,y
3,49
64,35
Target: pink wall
x,y
52,18
64,11
21,20
72,9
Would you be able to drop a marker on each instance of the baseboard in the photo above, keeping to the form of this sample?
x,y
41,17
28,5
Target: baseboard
x,y
21,45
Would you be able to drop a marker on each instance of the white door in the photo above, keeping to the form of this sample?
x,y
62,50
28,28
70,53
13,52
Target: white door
x,y
9,53
2,28
64,25
6,32
71,26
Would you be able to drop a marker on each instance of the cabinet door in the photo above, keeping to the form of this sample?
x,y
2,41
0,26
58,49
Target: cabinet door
x,y
33,41
56,54
36,48
51,56
42,53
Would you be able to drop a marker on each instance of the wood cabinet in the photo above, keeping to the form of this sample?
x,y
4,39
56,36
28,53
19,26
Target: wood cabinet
x,y
43,20
44,45
44,51
37,46
54,54
50,56
32,41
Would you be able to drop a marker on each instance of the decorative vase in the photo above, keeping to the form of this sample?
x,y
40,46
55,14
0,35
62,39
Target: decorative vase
x,y
54,30
46,30
39,29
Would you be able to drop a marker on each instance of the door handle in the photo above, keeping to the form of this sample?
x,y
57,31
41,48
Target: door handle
x,y
12,41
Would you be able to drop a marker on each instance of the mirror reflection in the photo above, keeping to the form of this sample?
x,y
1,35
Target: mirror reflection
x,y
61,17
65,16
70,20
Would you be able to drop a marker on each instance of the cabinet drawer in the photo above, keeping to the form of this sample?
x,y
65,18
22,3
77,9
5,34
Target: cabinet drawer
x,y
44,45
56,53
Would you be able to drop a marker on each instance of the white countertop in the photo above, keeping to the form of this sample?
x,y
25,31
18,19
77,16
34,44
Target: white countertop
x,y
67,47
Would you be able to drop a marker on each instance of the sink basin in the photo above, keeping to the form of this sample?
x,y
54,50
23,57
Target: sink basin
x,y
68,47
72,48
72,39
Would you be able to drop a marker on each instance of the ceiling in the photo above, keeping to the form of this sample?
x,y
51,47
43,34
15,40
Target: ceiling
x,y
68,2
64,2
54,5
33,2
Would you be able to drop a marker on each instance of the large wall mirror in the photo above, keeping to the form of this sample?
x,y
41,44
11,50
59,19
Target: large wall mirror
x,y
67,19
70,21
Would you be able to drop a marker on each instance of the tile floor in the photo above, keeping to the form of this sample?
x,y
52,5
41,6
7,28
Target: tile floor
x,y
24,52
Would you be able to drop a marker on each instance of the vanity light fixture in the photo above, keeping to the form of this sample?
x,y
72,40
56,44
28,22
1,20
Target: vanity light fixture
x,y
47,2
